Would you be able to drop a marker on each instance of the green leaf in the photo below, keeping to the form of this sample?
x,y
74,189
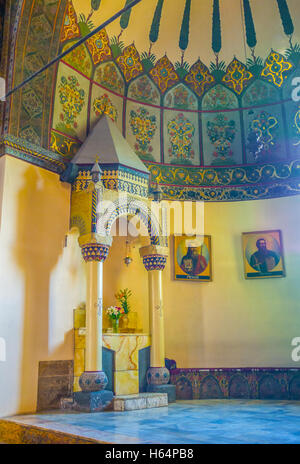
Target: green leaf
x,y
216,28
286,19
124,21
249,24
154,31
95,4
185,26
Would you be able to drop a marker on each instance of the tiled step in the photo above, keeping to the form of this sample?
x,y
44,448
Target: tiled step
x,y
139,401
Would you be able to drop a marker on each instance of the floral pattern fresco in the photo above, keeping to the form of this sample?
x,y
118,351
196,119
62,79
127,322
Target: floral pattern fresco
x,y
181,132
79,59
181,97
143,126
219,98
103,105
110,77
142,89
221,132
72,100
265,128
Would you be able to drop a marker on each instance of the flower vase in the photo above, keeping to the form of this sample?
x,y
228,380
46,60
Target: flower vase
x,y
115,325
124,322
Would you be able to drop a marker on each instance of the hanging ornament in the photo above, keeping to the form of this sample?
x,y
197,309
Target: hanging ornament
x,y
128,257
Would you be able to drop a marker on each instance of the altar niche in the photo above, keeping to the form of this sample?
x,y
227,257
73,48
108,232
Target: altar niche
x,y
101,195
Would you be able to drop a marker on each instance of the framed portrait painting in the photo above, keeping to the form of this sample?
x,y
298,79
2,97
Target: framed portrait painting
x,y
192,258
263,254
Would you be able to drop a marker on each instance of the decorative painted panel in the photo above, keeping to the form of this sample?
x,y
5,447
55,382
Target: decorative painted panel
x,y
71,102
105,102
263,124
221,131
242,108
108,75
79,59
181,97
181,138
144,90
143,130
292,110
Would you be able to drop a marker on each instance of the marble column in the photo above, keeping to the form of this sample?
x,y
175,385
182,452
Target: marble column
x,y
93,381
154,259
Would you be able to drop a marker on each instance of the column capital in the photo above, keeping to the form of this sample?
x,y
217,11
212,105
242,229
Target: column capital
x,y
154,257
94,247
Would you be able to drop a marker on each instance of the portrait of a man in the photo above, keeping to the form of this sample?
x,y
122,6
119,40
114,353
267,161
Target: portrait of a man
x,y
264,260
263,254
193,262
192,258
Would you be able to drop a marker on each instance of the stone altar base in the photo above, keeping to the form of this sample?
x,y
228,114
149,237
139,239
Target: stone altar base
x,y
89,401
167,388
139,401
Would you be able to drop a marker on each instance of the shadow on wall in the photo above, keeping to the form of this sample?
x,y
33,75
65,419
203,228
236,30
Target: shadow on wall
x,y
41,226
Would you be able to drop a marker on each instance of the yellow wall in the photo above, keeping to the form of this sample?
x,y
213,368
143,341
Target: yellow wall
x,y
118,276
40,280
231,321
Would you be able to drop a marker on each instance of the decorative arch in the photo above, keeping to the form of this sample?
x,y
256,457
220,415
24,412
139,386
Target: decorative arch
x,y
210,388
36,34
133,207
181,97
108,75
144,90
263,119
238,387
184,389
221,128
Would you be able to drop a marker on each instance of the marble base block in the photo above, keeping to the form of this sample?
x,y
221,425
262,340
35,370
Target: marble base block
x,y
169,389
92,401
140,401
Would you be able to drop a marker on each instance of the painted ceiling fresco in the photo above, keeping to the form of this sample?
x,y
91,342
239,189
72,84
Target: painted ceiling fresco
x,y
214,130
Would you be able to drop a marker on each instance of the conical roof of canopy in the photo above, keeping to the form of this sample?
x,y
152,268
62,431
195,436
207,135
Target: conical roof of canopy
x,y
108,144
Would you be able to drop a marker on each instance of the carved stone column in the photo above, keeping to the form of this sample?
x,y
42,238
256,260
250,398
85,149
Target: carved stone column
x,y
158,376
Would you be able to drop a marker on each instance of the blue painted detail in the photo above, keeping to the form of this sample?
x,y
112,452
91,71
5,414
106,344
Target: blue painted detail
x,y
108,359
144,364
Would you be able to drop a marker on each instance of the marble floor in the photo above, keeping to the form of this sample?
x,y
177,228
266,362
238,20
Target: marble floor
x,y
183,422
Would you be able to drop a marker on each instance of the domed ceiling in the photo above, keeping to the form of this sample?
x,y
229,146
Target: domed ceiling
x,y
200,89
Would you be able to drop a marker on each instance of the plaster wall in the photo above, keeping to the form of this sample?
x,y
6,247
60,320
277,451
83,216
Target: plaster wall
x,y
231,321
40,280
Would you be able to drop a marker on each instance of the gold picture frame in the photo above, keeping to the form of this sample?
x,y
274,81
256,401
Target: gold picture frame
x,y
192,258
263,254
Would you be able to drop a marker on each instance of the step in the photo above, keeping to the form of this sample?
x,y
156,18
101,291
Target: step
x,y
139,401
